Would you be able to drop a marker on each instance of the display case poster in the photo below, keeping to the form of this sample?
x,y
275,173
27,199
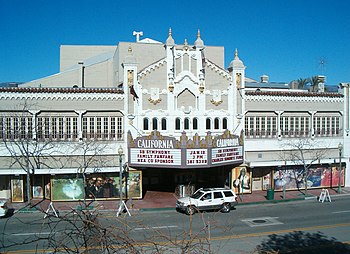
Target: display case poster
x,y
135,184
107,186
37,188
102,186
17,194
241,180
266,181
67,188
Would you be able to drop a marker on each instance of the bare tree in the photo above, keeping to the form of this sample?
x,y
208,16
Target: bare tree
x,y
89,158
25,150
304,152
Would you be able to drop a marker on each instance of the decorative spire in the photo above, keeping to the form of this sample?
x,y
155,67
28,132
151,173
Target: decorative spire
x,y
170,41
185,45
236,62
236,54
199,42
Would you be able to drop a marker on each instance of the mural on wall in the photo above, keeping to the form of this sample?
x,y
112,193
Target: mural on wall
x,y
17,194
67,188
318,177
241,180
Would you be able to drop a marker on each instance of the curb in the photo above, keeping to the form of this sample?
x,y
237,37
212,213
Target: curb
x,y
154,209
271,201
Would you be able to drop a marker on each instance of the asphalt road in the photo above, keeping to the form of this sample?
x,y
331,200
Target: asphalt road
x,y
292,227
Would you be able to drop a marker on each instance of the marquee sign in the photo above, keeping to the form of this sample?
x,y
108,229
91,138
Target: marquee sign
x,y
156,150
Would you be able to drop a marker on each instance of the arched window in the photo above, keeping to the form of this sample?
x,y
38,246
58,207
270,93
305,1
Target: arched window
x,y
145,124
216,123
195,124
224,123
187,124
208,124
177,124
155,123
163,124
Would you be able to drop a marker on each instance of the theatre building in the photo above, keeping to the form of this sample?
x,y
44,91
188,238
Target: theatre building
x,y
172,117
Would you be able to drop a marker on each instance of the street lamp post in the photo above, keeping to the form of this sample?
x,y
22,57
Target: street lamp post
x,y
122,205
120,152
340,147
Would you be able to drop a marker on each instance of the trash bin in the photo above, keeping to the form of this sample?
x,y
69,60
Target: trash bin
x,y
270,194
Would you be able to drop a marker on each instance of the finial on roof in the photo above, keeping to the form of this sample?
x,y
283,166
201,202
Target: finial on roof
x,y
199,42
236,62
170,41
236,54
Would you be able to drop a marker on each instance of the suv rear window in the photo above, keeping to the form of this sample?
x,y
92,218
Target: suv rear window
x,y
228,193
217,194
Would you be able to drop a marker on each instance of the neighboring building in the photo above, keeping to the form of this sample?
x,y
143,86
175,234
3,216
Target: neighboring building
x,y
179,116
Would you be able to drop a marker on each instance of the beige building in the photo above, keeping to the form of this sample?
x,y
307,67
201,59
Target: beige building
x,y
177,117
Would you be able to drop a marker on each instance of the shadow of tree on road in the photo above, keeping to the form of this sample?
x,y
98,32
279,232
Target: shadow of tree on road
x,y
299,242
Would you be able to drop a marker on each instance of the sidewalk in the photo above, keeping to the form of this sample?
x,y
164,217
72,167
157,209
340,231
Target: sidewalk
x,y
165,200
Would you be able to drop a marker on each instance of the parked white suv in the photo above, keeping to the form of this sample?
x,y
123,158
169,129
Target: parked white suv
x,y
208,199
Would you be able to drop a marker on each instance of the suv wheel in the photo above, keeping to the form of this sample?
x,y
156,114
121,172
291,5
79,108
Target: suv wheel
x,y
226,207
190,210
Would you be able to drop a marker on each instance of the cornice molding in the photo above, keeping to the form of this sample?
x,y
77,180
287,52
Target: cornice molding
x,y
63,94
151,68
219,70
293,97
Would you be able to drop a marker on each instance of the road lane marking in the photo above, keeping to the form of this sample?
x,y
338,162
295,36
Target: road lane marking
x,y
159,227
219,238
347,211
24,234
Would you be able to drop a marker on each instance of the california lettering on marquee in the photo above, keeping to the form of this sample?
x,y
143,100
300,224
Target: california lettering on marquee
x,y
156,150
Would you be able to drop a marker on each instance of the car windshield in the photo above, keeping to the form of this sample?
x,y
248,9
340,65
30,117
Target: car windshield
x,y
197,194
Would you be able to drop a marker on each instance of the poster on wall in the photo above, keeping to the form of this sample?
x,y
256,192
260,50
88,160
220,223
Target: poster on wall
x,y
135,184
318,177
37,188
48,190
67,188
266,182
330,177
288,179
241,180
17,194
102,186
107,186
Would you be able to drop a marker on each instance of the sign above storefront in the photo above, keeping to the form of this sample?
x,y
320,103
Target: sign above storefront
x,y
156,150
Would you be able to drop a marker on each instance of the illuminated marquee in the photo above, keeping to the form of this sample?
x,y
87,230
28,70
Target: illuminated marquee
x,y
162,151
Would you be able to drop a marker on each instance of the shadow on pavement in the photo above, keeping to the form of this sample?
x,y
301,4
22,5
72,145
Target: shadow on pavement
x,y
299,242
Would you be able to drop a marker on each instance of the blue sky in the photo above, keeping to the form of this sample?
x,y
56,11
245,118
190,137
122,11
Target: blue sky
x,y
284,39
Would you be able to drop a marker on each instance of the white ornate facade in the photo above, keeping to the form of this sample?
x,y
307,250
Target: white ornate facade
x,y
116,95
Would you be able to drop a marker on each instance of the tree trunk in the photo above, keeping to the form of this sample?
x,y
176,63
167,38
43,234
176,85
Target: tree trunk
x,y
29,196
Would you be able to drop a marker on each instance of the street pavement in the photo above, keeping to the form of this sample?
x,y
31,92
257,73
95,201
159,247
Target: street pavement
x,y
290,225
153,200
